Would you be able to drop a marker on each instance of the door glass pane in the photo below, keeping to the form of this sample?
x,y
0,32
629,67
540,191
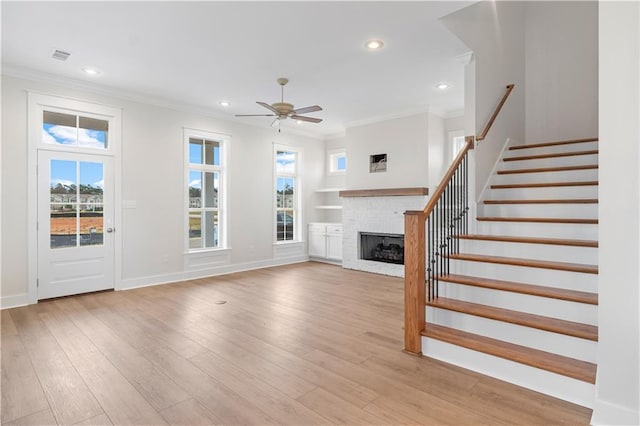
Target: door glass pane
x,y
195,189
90,203
63,203
59,129
195,151
211,226
285,162
92,132
212,153
63,225
195,228
211,185
91,228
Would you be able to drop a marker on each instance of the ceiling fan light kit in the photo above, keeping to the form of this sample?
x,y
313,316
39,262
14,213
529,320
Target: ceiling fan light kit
x,y
283,110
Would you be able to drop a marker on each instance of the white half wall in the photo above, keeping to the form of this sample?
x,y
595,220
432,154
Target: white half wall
x,y
618,378
561,42
152,227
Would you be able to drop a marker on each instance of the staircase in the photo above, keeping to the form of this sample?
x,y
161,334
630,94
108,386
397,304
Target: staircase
x,y
519,301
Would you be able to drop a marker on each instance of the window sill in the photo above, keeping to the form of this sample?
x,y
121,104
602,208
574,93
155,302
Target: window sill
x,y
209,250
288,243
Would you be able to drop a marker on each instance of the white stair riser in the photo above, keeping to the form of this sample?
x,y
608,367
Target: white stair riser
x,y
540,177
536,276
554,308
574,160
586,255
542,381
572,347
555,149
546,193
542,230
575,211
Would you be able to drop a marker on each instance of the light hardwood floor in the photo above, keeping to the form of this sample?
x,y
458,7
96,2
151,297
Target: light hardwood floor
x,y
301,344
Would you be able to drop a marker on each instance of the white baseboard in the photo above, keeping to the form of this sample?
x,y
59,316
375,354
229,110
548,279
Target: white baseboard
x,y
607,413
14,301
131,283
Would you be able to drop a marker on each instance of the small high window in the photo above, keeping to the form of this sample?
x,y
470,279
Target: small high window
x,y
337,160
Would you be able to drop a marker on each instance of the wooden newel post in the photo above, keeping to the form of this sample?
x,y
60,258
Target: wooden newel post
x,y
414,280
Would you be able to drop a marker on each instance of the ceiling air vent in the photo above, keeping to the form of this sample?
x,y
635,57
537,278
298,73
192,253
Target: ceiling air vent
x,y
60,55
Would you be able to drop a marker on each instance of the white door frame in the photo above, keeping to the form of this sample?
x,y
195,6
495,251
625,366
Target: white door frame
x,y
36,103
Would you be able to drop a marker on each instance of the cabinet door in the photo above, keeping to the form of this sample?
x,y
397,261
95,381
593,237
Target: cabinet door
x,y
317,241
334,246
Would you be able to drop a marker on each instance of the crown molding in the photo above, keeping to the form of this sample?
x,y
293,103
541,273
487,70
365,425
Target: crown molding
x,y
141,98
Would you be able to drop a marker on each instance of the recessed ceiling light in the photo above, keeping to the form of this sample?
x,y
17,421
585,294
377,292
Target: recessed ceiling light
x,y
374,44
442,86
224,103
91,71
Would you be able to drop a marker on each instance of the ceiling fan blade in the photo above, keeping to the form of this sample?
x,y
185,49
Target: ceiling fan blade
x,y
309,119
275,123
255,115
267,106
307,109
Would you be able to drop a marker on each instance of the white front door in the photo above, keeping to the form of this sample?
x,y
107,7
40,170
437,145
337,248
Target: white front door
x,y
75,223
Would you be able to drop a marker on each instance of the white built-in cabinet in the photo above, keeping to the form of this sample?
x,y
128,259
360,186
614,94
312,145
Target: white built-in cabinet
x,y
325,241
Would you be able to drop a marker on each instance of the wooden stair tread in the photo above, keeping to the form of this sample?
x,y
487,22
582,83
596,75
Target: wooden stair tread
x,y
549,169
545,184
554,143
559,201
530,289
553,155
531,263
538,220
531,240
569,367
554,325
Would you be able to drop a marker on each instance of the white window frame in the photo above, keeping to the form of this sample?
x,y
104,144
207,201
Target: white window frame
x,y
223,172
454,147
297,205
332,161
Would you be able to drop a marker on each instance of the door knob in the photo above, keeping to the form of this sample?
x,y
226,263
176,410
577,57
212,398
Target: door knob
x,y
110,230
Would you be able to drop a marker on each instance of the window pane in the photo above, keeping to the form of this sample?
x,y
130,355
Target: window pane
x,y
211,186
59,129
91,227
341,163
288,192
195,151
280,184
195,189
285,162
91,183
284,221
63,226
195,228
212,153
211,229
92,132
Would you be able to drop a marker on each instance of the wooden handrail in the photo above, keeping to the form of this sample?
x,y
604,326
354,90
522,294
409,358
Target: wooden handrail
x,y
447,177
495,113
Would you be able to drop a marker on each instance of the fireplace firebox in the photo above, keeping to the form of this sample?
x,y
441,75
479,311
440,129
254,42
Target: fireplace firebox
x,y
388,248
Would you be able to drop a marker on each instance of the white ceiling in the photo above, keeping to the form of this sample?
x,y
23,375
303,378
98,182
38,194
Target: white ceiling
x,y
199,53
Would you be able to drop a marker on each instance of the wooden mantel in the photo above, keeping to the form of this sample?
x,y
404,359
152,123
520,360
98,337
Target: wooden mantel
x,y
384,192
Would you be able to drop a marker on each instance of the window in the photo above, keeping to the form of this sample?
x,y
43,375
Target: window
x,y
337,161
205,177
456,141
74,130
287,194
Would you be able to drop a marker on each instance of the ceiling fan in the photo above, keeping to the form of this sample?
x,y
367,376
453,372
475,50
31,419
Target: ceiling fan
x,y
283,110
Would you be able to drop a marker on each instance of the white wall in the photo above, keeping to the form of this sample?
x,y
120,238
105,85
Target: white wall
x,y
618,378
438,150
404,140
152,164
494,31
561,41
